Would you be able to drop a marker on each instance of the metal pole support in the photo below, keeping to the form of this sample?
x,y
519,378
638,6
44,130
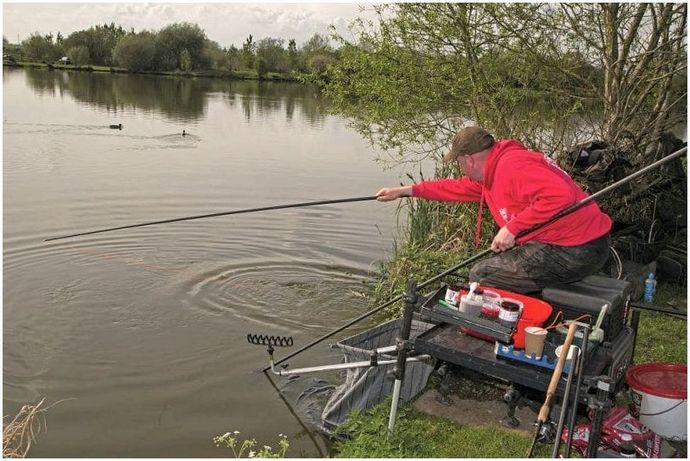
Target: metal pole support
x,y
600,405
403,346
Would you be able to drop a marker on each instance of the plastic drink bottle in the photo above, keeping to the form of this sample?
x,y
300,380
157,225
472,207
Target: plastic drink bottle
x,y
649,287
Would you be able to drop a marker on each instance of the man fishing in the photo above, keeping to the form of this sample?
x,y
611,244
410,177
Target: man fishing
x,y
521,188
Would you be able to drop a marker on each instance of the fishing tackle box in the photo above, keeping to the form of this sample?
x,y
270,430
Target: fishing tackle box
x,y
587,296
436,310
534,313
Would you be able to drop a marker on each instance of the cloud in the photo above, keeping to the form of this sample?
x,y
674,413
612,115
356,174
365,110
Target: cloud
x,y
225,23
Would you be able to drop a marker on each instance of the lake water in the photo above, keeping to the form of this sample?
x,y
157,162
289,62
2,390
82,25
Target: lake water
x,y
141,333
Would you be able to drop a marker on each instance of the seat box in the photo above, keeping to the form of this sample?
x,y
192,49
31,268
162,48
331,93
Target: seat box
x,y
587,296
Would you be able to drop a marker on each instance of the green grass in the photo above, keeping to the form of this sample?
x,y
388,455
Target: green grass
x,y
418,435
662,337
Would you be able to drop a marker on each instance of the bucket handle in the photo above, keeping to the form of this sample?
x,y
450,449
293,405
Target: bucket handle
x,y
665,411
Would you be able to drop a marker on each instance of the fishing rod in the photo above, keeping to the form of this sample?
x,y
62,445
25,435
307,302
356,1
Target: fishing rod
x,y
483,253
553,385
213,215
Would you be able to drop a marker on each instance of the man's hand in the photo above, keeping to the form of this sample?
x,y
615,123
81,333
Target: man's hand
x,y
388,194
503,241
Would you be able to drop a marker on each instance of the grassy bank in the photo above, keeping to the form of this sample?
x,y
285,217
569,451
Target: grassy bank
x,y
220,74
418,435
661,338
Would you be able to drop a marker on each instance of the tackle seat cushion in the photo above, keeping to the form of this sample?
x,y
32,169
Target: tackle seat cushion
x,y
587,296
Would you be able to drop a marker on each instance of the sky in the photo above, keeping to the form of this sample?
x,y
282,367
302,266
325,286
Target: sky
x,y
226,23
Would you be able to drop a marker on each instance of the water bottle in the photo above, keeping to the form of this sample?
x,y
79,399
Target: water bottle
x,y
627,448
649,287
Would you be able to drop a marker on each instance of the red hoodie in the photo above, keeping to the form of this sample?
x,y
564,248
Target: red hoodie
x,y
523,188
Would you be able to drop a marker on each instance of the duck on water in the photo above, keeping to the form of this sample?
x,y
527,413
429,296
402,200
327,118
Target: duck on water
x,y
116,127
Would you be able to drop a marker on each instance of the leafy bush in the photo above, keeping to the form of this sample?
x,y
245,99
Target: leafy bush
x,y
79,55
136,52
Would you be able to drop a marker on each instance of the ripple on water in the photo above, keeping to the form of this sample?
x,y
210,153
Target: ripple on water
x,y
117,252
295,297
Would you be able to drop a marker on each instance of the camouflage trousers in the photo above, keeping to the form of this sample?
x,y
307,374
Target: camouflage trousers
x,y
530,267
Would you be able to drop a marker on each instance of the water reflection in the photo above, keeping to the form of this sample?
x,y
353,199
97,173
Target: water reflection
x,y
182,99
145,329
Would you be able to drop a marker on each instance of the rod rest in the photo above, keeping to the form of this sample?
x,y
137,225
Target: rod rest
x,y
587,296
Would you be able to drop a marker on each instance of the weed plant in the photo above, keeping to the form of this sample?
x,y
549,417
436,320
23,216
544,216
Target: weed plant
x,y
19,434
248,448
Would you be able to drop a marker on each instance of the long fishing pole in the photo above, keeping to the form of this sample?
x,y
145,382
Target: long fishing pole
x,y
213,215
483,253
553,385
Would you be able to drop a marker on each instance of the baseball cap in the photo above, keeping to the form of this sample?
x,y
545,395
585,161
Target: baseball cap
x,y
468,141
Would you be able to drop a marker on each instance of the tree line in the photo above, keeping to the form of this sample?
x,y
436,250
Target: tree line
x,y
179,46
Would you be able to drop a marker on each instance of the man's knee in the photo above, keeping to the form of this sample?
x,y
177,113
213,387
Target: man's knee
x,y
476,273
500,274
498,265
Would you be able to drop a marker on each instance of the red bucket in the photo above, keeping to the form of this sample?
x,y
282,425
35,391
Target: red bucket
x,y
534,314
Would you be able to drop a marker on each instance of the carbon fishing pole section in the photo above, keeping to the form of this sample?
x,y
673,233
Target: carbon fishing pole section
x,y
214,215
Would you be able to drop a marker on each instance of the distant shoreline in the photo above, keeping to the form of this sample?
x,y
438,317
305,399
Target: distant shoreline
x,y
220,74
